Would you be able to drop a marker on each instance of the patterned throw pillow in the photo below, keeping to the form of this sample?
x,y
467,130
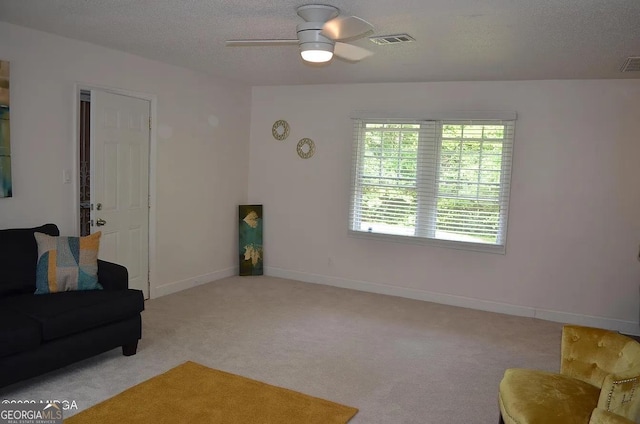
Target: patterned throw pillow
x,y
67,263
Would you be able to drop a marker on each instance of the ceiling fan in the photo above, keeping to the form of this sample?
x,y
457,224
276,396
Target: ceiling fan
x,y
319,37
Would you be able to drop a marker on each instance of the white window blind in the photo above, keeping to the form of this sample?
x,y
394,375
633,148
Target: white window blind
x,y
445,182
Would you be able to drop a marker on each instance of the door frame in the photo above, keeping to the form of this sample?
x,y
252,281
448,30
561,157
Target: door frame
x,y
153,148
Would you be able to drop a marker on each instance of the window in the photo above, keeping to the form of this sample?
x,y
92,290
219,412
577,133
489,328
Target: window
x,y
444,182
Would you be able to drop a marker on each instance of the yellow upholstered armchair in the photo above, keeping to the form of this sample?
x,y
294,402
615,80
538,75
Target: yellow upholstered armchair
x,y
597,384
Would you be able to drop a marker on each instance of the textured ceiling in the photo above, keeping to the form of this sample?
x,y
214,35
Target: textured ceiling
x,y
456,40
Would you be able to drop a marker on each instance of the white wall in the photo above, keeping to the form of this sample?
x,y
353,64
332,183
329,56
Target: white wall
x,y
574,225
201,169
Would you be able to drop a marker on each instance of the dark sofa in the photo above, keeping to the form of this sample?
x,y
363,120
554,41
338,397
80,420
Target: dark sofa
x,y
40,333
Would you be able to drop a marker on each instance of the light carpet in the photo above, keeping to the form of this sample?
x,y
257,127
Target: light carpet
x,y
193,393
399,361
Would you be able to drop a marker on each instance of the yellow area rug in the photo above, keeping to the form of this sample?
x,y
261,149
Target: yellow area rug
x,y
193,393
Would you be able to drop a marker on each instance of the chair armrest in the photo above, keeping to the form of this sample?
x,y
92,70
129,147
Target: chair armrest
x,y
620,394
112,276
600,416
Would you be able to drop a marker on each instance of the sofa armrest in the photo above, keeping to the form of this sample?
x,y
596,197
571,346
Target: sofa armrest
x,y
112,276
620,394
600,416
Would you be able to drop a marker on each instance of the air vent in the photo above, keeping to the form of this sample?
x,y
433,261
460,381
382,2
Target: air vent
x,y
383,40
632,64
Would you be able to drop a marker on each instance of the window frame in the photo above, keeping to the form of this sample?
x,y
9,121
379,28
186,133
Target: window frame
x,y
427,198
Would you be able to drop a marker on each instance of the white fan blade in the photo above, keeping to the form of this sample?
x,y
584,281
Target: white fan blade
x,y
266,42
350,52
343,28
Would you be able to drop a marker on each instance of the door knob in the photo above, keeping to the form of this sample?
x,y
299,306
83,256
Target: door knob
x,y
100,222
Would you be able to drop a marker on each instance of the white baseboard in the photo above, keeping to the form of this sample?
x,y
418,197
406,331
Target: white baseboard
x,y
626,327
198,280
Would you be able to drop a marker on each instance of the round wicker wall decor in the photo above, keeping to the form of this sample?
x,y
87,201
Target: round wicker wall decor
x,y
306,148
280,129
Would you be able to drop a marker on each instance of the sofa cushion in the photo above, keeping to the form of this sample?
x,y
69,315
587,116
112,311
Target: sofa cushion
x,y
18,257
67,263
18,332
65,313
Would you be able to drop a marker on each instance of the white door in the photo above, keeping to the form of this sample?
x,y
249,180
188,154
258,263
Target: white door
x,y
120,182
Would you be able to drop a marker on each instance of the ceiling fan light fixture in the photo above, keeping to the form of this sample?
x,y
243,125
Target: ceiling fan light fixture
x,y
316,56
316,52
324,34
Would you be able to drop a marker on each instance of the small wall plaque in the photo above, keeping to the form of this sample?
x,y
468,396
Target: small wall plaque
x,y
280,130
306,148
